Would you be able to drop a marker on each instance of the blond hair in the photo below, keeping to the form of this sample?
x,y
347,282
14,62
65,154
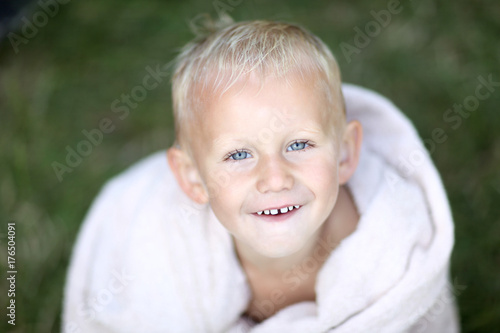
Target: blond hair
x,y
214,62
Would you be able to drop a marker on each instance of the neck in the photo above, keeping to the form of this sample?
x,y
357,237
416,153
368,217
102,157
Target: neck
x,y
341,223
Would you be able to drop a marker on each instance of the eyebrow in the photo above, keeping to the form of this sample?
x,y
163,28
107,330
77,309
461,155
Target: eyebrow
x,y
312,130
227,141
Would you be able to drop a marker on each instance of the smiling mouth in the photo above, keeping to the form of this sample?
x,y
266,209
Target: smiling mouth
x,y
278,211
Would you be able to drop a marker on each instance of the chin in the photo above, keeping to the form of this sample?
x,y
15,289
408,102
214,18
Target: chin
x,y
277,250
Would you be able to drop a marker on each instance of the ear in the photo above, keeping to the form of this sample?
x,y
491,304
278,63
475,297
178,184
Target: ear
x,y
187,175
350,147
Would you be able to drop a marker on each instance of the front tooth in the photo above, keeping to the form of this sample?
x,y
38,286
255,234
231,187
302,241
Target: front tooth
x,y
290,208
283,210
274,211
266,212
296,206
260,213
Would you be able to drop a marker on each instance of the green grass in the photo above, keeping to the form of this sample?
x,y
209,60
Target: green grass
x,y
66,77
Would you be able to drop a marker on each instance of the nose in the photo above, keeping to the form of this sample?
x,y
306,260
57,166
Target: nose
x,y
274,175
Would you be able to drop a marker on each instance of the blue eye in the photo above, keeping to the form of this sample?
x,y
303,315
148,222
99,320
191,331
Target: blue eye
x,y
297,145
239,155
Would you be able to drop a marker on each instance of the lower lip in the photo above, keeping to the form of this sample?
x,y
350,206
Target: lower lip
x,y
277,217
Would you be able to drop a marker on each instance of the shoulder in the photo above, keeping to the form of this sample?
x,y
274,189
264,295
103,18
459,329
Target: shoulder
x,y
145,173
135,234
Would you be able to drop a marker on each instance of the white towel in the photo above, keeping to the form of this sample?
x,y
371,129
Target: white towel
x,y
147,259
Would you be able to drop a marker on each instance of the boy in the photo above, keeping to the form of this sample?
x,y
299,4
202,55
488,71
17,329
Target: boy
x,y
272,226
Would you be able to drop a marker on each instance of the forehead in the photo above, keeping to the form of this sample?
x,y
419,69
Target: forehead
x,y
254,107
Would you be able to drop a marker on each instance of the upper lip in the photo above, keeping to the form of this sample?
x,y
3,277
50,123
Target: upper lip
x,y
278,207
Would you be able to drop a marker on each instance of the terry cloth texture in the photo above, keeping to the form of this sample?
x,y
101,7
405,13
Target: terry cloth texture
x,y
147,259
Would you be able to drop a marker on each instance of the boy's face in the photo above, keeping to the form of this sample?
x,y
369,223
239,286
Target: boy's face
x,y
263,149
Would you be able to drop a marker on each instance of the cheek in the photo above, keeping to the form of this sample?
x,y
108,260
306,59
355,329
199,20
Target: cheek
x,y
222,179
226,191
227,206
321,177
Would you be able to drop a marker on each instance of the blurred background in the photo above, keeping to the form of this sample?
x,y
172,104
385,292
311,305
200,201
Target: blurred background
x,y
67,65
